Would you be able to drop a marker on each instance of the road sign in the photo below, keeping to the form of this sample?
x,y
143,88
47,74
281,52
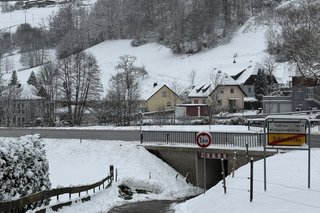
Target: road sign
x,y
203,139
212,155
283,133
286,139
282,127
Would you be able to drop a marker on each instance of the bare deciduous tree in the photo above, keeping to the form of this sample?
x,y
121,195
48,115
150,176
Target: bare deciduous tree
x,y
125,88
79,83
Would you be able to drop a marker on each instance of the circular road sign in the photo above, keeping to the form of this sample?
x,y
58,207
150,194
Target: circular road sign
x,y
203,139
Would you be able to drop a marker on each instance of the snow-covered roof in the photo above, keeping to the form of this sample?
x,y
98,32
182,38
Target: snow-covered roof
x,y
244,74
205,89
225,80
28,92
201,91
150,89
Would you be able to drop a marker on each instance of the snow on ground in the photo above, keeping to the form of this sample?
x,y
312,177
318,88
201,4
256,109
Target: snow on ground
x,y
287,189
75,163
187,128
163,66
33,16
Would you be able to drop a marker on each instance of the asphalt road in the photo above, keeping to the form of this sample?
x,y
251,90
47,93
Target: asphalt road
x,y
123,135
160,206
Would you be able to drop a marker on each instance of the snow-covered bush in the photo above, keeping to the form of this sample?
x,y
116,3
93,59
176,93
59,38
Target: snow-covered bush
x,y
24,168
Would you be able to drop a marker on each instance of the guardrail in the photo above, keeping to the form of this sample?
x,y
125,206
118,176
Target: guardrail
x,y
21,204
189,138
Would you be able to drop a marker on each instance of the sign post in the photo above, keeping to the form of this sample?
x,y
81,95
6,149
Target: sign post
x,y
281,132
204,140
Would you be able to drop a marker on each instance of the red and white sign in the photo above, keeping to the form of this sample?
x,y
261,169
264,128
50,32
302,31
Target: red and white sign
x,y
203,139
210,155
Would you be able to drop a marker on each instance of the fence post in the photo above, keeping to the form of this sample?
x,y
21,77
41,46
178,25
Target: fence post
x,y
223,176
251,179
111,170
247,152
116,176
234,164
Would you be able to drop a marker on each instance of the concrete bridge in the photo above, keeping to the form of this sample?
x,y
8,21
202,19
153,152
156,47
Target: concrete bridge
x,y
179,150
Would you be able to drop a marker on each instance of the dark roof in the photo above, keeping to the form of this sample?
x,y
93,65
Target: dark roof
x,y
252,79
235,77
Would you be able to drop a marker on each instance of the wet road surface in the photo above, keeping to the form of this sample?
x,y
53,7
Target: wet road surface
x,y
155,206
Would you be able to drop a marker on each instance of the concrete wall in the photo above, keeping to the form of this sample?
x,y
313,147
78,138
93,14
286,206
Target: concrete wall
x,y
187,161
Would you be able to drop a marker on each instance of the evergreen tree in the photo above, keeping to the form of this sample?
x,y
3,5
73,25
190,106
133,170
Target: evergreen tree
x,y
42,92
14,79
33,80
260,85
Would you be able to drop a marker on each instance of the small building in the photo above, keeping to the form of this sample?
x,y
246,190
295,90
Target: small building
x,y
158,98
305,95
228,94
22,110
199,94
247,78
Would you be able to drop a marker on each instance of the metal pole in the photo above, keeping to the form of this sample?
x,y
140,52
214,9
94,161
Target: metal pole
x,y
264,157
223,176
234,163
309,156
251,179
204,171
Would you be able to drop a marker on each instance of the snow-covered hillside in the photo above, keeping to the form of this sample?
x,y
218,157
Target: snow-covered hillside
x,y
163,66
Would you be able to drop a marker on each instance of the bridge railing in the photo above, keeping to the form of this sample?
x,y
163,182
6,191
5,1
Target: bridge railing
x,y
188,138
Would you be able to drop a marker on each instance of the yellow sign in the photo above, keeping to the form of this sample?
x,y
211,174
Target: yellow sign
x,y
275,139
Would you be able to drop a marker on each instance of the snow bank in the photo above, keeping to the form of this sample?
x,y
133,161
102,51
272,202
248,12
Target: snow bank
x,y
287,189
24,168
74,162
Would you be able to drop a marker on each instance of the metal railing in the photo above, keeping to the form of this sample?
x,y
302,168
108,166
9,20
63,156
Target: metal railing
x,y
188,138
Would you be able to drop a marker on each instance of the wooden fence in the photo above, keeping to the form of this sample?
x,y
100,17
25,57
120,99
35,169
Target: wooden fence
x,y
24,202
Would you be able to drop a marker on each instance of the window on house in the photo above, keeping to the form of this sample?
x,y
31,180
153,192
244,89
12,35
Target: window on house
x,y
310,92
196,101
232,103
164,94
249,90
219,102
168,104
232,90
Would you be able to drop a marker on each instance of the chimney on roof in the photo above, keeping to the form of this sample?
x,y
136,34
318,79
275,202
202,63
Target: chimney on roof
x,y
155,84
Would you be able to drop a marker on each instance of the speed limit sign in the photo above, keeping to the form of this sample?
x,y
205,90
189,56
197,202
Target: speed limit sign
x,y
203,139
